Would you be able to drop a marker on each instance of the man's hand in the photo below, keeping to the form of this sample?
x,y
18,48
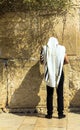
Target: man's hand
x,y
66,60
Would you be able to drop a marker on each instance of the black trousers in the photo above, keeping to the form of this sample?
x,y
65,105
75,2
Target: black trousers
x,y
50,91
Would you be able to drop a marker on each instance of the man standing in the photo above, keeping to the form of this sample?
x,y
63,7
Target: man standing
x,y
54,56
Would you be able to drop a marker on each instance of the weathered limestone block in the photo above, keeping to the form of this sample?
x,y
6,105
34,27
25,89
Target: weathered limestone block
x,y
74,82
78,45
70,33
24,81
3,85
59,28
18,35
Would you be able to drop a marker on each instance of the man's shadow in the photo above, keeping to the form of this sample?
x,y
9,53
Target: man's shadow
x,y
75,103
26,96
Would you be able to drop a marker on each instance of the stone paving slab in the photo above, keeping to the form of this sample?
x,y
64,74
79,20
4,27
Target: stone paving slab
x,y
16,121
27,127
73,121
10,121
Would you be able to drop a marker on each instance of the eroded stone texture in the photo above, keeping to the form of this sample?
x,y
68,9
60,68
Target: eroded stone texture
x,y
3,84
18,35
74,82
24,81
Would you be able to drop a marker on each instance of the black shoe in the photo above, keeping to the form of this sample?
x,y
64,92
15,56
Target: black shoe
x,y
48,116
61,116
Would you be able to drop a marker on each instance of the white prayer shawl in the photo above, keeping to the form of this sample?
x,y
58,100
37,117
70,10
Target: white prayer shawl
x,y
53,61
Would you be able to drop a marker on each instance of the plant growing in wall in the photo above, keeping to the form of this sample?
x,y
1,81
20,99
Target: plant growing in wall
x,y
56,5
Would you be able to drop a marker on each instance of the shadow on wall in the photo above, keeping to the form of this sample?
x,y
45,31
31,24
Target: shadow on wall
x,y
26,96
75,102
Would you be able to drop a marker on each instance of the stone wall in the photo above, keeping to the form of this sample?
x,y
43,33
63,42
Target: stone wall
x,y
21,75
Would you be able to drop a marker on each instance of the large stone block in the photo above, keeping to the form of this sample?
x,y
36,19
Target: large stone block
x,y
70,33
24,81
3,84
74,82
19,35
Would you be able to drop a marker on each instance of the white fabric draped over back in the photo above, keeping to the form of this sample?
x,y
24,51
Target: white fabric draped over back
x,y
53,61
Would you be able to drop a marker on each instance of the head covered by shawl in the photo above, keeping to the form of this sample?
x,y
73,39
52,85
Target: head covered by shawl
x,y
54,58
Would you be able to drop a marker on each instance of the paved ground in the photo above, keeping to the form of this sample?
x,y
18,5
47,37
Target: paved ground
x,y
9,121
